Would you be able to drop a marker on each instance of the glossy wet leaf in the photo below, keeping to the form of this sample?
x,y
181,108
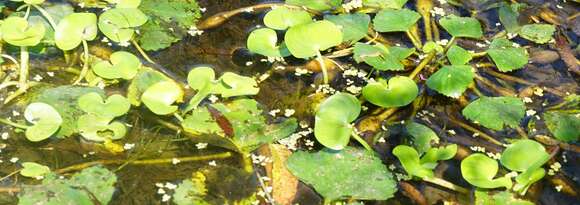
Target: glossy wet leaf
x,y
232,84
75,28
451,81
393,4
390,20
495,112
351,173
191,191
506,56
564,126
381,57
122,64
125,3
119,24
95,128
354,26
538,33
422,135
520,155
264,41
159,97
32,169
318,5
410,161
462,26
281,18
430,158
45,121
306,40
479,170
91,186
19,32
145,78
458,55
114,106
398,91
332,122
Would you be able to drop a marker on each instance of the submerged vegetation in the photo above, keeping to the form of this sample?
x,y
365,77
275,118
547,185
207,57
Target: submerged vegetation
x,y
447,102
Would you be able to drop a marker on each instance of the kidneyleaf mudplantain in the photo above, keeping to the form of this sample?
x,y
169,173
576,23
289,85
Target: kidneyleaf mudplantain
x,y
307,40
114,106
45,119
34,170
526,156
422,136
318,5
381,4
501,198
75,28
564,126
99,129
332,126
495,112
122,65
506,56
397,92
538,33
451,81
119,24
125,3
19,32
263,41
145,78
354,26
458,55
351,173
281,18
480,170
161,96
381,57
422,166
390,20
462,26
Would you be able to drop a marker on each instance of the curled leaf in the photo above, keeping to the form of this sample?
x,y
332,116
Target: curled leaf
x,y
332,123
480,170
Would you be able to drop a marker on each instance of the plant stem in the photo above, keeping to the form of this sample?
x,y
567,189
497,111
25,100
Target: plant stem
x,y
322,66
449,44
13,124
422,65
361,140
24,58
415,41
46,15
446,184
27,12
479,54
143,162
10,58
85,69
475,130
142,52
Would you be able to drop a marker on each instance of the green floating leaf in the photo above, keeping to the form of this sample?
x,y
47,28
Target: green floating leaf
x,y
506,56
495,112
33,2
19,32
263,41
96,128
281,18
520,155
191,191
125,3
398,92
508,16
462,26
332,123
501,198
409,158
451,81
232,84
393,4
91,186
75,28
318,5
458,55
119,24
381,57
429,160
32,169
115,106
480,170
307,40
122,64
539,33
45,119
422,135
564,126
390,20
145,78
351,173
159,97
354,26
432,47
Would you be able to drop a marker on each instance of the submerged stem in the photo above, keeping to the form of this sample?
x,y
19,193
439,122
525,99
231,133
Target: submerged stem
x,y
414,40
141,51
85,69
322,66
46,15
446,184
361,140
13,124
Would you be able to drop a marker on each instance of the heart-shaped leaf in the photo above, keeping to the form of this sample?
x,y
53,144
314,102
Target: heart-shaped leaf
x,y
451,81
75,28
160,97
390,20
119,24
351,173
480,170
422,135
458,55
98,129
125,3
332,123
122,65
45,119
461,26
32,169
409,158
399,91
115,106
506,56
236,85
393,4
495,112
354,26
19,32
281,18
263,41
318,5
381,57
539,33
307,40
564,126
520,155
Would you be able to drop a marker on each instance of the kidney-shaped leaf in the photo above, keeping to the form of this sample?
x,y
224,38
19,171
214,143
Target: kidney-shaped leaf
x,y
520,155
353,173
19,32
564,126
332,123
495,112
390,20
75,28
32,169
354,26
458,55
99,129
318,5
506,56
399,91
381,57
539,33
393,4
45,119
263,41
409,158
422,135
119,24
307,40
115,106
281,18
461,26
123,65
232,84
451,81
160,97
480,170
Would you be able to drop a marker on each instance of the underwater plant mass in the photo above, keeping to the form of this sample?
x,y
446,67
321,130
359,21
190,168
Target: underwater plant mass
x,y
331,102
